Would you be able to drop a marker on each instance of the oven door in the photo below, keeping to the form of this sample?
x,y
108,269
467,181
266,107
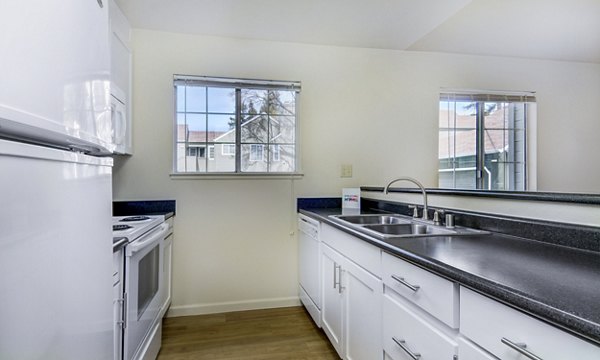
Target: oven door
x,y
143,265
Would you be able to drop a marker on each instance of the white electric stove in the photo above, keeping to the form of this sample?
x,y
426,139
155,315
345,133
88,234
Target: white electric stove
x,y
142,296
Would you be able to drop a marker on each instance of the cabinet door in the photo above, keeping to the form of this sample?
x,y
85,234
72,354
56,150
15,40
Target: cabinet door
x,y
362,309
332,321
54,69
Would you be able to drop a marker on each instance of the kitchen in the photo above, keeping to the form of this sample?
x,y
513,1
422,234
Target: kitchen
x,y
221,231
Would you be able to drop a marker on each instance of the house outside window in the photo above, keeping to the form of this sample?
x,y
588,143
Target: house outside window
x,y
248,126
483,140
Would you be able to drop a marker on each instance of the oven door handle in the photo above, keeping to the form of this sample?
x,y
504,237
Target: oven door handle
x,y
136,246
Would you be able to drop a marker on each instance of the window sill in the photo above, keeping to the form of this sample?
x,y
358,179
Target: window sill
x,y
235,176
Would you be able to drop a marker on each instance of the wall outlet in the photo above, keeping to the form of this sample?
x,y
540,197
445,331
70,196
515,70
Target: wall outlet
x,y
346,171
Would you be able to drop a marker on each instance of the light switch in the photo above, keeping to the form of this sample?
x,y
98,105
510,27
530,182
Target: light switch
x,y
346,171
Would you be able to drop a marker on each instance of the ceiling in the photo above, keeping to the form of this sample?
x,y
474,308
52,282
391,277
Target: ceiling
x,y
566,30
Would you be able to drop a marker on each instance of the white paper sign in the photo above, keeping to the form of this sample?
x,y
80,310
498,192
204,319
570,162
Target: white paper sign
x,y
351,199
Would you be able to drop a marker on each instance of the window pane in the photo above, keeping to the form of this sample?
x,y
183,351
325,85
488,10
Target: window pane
x,y
221,100
181,157
503,159
181,128
195,99
254,101
447,118
282,129
282,158
282,102
504,115
496,115
446,149
255,129
224,158
196,127
221,128
460,114
180,94
254,158
495,141
466,178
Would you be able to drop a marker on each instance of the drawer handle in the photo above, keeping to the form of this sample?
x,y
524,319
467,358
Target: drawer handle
x,y
405,283
520,348
402,344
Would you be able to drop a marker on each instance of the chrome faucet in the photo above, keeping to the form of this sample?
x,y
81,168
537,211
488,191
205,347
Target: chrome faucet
x,y
387,188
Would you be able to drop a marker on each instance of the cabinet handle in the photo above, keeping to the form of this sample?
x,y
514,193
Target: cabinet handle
x,y
405,283
100,3
340,288
335,282
402,344
520,348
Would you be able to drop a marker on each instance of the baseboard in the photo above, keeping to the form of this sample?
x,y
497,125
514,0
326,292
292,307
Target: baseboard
x,y
229,306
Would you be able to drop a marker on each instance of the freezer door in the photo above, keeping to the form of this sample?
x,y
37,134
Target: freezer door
x,y
55,72
55,254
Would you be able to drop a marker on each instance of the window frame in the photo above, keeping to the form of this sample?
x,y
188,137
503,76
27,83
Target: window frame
x,y
480,98
239,85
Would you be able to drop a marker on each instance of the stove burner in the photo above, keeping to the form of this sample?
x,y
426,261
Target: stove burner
x,y
135,218
121,227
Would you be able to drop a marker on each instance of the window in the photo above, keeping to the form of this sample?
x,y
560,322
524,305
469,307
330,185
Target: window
x,y
257,152
228,149
275,153
196,151
248,126
483,140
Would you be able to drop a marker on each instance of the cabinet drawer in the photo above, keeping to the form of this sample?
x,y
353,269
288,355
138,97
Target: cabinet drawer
x,y
403,327
487,322
364,254
434,294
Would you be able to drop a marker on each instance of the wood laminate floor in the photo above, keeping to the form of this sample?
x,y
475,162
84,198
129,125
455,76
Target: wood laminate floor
x,y
283,333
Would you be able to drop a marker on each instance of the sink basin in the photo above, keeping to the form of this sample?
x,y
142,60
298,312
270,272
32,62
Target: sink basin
x,y
408,229
372,219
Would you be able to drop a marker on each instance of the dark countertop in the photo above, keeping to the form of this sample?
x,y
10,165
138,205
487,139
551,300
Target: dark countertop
x,y
557,284
144,207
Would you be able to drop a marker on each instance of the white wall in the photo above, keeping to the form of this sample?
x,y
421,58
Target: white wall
x,y
374,109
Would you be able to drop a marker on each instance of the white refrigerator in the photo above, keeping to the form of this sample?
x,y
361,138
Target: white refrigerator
x,y
55,191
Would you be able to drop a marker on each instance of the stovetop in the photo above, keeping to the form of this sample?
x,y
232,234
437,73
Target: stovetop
x,y
133,227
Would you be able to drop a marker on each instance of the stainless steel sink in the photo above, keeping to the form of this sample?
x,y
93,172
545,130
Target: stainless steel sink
x,y
408,229
399,226
372,219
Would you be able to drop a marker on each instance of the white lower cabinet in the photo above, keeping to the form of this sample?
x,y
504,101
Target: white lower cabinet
x,y
376,305
351,308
